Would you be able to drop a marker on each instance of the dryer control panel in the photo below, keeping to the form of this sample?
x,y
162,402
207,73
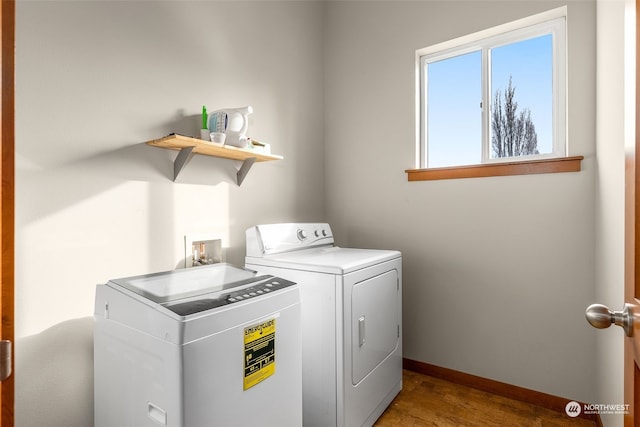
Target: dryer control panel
x,y
276,238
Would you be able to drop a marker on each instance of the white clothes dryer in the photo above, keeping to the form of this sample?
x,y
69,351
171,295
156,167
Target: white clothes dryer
x,y
351,317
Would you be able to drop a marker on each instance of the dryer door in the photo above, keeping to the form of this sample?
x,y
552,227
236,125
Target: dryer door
x,y
375,322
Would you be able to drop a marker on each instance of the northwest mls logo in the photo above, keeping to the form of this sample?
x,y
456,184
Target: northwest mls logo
x,y
606,408
573,409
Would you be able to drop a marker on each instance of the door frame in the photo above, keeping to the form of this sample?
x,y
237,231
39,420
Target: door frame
x,y
7,199
632,252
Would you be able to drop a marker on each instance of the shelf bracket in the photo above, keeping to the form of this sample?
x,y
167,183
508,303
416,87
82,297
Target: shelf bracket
x,y
244,169
181,161
186,153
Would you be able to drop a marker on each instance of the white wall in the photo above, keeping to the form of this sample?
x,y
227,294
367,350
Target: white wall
x,y
614,87
332,86
497,271
95,80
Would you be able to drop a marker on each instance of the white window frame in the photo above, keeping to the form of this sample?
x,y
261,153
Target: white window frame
x,y
551,22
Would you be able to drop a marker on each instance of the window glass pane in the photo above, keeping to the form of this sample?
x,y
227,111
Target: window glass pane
x,y
454,116
522,98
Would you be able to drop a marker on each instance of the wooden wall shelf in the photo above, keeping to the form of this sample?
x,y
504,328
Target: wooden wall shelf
x,y
189,146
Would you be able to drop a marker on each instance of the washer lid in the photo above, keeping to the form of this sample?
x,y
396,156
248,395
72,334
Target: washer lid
x,y
332,260
178,284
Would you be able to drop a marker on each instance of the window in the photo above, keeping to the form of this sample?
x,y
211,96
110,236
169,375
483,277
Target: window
x,y
495,96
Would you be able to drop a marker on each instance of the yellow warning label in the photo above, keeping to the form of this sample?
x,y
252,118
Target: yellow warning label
x,y
259,352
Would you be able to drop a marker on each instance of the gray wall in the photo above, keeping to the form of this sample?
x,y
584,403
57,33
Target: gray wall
x,y
497,271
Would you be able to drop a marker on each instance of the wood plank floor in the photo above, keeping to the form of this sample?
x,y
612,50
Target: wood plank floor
x,y
428,401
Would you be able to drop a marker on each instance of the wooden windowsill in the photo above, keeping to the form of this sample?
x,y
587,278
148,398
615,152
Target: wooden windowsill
x,y
563,164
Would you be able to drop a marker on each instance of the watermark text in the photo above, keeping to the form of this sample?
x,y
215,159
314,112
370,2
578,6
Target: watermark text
x,y
574,409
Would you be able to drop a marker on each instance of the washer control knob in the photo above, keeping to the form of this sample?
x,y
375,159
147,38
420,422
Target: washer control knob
x,y
302,234
316,233
324,233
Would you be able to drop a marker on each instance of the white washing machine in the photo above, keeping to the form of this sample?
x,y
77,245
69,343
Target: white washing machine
x,y
351,303
205,346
